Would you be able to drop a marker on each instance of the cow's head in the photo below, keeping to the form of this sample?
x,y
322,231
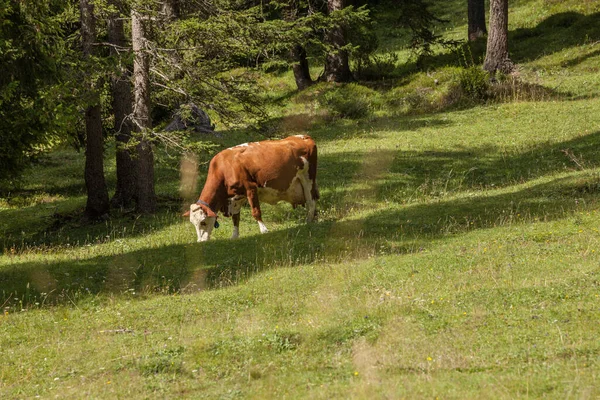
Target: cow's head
x,y
204,221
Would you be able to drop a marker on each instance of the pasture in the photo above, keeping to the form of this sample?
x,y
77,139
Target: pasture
x,y
456,255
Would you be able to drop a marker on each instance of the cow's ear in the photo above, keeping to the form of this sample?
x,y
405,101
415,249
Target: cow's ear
x,y
186,214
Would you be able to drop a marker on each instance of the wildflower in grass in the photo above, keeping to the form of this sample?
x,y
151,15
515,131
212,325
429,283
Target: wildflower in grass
x,y
429,359
355,373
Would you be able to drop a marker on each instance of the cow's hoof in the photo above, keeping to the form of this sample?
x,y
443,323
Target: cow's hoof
x,y
263,228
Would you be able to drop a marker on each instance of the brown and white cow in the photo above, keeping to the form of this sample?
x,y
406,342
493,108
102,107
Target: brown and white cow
x,y
269,171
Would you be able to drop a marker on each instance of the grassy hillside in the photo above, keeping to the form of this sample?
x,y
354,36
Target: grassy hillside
x,y
456,253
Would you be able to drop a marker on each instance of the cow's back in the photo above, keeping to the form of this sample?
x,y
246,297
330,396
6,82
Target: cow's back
x,y
269,163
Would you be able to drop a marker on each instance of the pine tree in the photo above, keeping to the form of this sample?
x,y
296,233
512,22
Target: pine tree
x,y
476,19
144,196
121,107
97,204
337,68
496,57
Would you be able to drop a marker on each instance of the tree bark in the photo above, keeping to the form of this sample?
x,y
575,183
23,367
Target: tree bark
x,y
121,104
300,67
476,17
496,57
97,205
170,9
298,53
145,197
337,68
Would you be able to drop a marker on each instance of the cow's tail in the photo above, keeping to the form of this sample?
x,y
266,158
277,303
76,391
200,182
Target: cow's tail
x,y
312,170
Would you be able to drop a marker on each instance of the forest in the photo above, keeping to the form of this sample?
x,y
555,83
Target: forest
x,y
455,250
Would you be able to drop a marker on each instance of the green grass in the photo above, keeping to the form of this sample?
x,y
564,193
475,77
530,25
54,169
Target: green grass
x,y
456,255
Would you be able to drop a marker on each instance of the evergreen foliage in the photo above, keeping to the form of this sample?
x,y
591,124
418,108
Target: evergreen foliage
x,y
203,52
35,101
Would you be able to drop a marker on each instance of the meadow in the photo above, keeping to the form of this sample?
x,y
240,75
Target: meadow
x,y
456,252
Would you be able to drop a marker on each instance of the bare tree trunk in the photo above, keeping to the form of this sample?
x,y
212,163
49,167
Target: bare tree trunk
x,y
121,103
298,53
170,9
97,205
337,68
476,16
496,57
145,197
300,67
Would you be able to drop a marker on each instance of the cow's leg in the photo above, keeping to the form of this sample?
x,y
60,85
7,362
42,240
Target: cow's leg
x,y
311,204
309,201
255,206
236,226
198,233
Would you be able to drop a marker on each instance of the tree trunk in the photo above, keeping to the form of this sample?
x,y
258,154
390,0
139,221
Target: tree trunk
x,y
476,18
97,204
121,104
300,67
337,68
298,53
170,9
496,57
145,197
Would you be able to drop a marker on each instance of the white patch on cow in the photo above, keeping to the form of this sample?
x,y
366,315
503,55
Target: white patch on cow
x,y
300,136
236,233
239,145
307,184
235,204
263,228
294,194
203,224
299,192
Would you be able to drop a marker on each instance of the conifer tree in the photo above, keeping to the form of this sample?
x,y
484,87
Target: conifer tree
x,y
97,204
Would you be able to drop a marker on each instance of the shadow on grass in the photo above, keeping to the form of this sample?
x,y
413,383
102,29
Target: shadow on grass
x,y
59,221
556,33
220,263
436,173
411,175
346,129
350,183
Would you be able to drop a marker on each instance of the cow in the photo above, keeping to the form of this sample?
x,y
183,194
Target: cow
x,y
269,171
